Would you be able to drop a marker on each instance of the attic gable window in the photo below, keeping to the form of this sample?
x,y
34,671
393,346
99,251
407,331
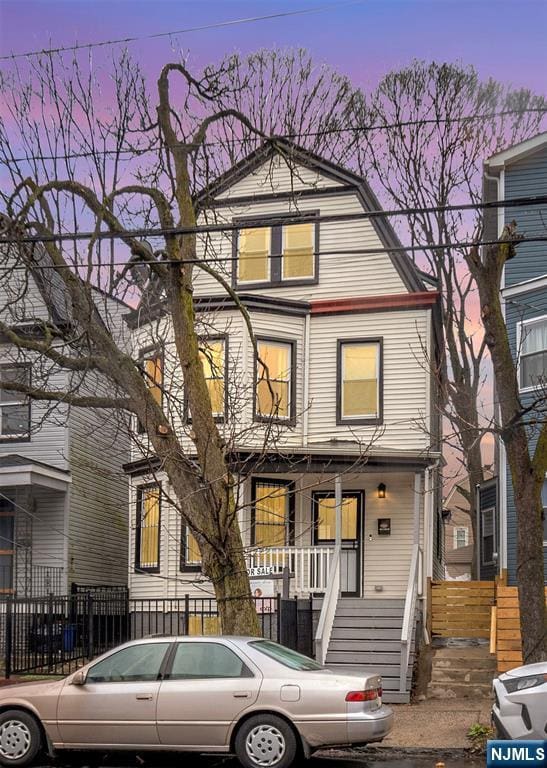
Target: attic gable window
x,y
277,255
14,406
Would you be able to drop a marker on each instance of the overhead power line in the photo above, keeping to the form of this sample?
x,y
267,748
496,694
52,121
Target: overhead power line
x,y
139,152
200,28
257,223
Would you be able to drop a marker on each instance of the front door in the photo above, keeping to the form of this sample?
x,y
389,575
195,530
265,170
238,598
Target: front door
x,y
324,506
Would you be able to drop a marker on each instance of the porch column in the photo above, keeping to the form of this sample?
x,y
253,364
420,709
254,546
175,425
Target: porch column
x,y
338,505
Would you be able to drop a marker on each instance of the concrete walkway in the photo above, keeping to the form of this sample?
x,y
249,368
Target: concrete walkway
x,y
436,723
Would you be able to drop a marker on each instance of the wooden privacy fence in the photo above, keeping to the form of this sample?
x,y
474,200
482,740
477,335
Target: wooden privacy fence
x,y
505,641
461,608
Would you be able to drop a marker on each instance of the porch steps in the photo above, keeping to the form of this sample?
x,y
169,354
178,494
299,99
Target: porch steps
x,y
465,672
366,638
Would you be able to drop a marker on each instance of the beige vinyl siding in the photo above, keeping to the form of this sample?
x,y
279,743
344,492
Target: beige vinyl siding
x,y
405,377
48,528
276,175
340,275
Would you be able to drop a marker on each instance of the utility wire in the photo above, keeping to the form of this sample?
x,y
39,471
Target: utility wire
x,y
280,220
200,28
135,151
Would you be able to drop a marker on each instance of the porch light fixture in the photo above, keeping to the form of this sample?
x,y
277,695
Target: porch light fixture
x,y
382,491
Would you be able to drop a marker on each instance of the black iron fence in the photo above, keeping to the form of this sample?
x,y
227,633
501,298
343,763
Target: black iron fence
x,y
56,635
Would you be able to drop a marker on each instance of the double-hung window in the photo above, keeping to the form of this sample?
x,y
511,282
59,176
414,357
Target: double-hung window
x,y
359,381
533,353
151,362
272,513
460,537
147,538
213,359
278,254
274,387
14,406
190,559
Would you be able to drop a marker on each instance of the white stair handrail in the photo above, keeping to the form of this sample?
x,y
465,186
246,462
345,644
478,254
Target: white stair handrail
x,y
413,587
328,609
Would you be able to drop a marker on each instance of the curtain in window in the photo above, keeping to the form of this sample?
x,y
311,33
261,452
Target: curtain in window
x,y
298,250
271,515
360,380
273,388
212,360
254,252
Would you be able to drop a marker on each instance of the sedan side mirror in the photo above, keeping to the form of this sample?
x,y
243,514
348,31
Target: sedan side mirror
x,y
78,678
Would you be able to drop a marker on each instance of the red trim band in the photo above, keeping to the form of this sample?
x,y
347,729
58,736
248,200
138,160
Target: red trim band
x,y
394,301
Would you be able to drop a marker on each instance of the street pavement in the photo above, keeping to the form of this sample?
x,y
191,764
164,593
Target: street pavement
x,y
352,759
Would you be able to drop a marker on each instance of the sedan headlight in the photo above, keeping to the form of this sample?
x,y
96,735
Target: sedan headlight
x,y
523,683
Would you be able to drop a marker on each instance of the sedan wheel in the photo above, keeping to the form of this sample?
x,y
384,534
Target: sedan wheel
x,y
20,738
265,741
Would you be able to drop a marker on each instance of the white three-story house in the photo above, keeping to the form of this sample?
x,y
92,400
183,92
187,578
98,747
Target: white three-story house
x,y
347,327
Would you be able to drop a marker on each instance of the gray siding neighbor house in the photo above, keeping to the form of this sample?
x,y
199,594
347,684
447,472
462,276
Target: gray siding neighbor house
x,y
63,495
521,171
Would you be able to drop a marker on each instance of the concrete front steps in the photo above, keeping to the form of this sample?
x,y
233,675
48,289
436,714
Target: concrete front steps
x,y
366,638
461,671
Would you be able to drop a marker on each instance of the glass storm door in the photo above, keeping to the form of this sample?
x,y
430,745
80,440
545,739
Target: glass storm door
x,y
324,505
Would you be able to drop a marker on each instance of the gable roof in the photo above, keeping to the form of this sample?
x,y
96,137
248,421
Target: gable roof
x,y
294,154
517,152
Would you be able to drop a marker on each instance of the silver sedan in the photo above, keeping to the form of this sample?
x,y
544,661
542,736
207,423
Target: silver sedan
x,y
245,695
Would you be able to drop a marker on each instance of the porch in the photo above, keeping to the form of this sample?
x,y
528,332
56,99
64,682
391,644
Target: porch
x,y
33,509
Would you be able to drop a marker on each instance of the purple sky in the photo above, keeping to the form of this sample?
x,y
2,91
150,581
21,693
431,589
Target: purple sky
x,y
363,40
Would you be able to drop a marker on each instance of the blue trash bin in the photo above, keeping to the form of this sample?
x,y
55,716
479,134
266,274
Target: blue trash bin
x,y
69,637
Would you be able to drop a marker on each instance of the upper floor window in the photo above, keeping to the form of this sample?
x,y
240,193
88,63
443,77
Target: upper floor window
x,y
151,361
213,360
279,254
488,536
533,353
14,406
274,396
359,381
461,537
190,555
147,539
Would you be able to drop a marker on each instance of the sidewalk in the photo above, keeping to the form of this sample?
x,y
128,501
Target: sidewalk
x,y
436,723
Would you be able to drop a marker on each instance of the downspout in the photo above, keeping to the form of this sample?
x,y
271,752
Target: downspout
x,y
306,387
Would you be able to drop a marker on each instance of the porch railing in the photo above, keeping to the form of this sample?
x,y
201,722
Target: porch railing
x,y
413,591
310,567
328,609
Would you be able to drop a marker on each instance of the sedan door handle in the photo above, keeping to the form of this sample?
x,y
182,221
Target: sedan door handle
x,y
241,694
144,697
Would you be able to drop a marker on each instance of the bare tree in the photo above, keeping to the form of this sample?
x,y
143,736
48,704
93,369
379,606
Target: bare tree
x,y
76,165
516,419
435,124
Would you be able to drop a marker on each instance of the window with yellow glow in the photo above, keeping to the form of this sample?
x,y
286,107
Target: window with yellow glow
x,y
298,250
360,386
192,555
326,518
271,520
212,357
273,386
148,528
254,254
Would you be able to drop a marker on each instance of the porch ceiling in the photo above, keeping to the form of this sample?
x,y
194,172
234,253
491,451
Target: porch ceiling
x,y
16,470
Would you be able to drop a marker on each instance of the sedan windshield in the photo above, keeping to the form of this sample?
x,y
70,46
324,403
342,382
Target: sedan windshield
x,y
285,656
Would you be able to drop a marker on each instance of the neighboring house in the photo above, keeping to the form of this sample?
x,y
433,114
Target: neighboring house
x,y
459,548
63,495
346,336
458,535
521,171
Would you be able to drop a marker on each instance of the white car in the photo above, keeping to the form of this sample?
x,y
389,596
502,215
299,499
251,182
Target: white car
x,y
520,703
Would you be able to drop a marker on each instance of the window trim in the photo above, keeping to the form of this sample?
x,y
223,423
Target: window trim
x,y
289,421
185,567
140,489
520,326
219,419
494,535
350,420
26,437
144,354
466,531
290,523
276,250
